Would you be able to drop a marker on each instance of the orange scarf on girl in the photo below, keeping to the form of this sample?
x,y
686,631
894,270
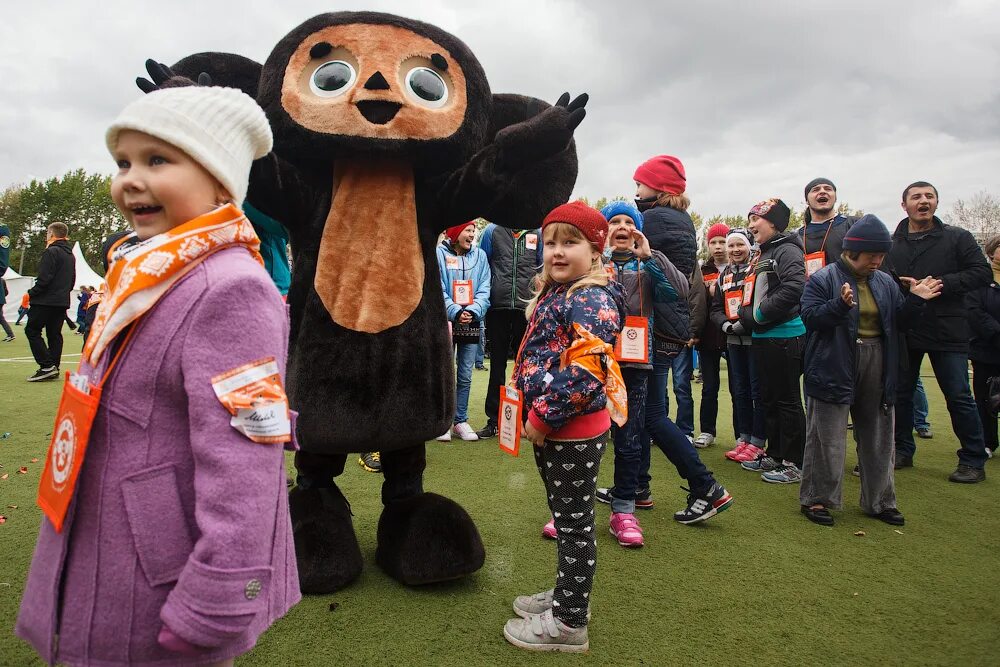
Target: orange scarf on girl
x,y
596,357
142,273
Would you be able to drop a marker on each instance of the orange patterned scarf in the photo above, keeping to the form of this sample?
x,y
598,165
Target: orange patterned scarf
x,y
142,273
594,356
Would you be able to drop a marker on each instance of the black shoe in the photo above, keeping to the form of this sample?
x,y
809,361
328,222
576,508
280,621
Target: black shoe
x,y
967,475
820,515
44,374
8,338
482,368
857,471
371,461
488,431
902,461
643,498
925,433
891,516
701,507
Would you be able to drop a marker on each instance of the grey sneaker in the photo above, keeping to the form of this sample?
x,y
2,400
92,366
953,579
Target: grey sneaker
x,y
545,632
526,605
763,463
704,440
787,473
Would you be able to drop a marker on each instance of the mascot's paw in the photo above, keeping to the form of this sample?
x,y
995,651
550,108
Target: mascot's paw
x,y
326,548
426,539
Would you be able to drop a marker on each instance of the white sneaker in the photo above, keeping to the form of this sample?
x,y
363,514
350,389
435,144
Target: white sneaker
x,y
704,440
544,632
444,437
464,431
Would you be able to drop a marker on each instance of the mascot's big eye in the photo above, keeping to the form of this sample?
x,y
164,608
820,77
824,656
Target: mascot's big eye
x,y
332,78
427,87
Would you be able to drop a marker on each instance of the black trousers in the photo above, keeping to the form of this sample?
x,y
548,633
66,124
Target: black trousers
x,y
711,362
50,319
779,362
503,326
981,372
403,470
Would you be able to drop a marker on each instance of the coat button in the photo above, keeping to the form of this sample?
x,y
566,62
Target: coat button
x,y
253,589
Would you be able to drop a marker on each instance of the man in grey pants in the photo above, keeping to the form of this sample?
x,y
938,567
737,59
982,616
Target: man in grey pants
x,y
853,313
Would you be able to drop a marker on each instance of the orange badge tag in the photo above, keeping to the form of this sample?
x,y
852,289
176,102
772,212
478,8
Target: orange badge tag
x,y
633,342
253,394
451,262
77,409
509,420
814,262
748,289
531,241
461,292
732,300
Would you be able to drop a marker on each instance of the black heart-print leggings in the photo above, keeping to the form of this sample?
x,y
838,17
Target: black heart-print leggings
x,y
569,469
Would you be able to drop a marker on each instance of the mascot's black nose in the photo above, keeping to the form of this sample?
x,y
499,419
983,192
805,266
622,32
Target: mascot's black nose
x,y
377,82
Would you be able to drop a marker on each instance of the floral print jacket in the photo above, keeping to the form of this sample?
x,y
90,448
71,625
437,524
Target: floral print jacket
x,y
557,395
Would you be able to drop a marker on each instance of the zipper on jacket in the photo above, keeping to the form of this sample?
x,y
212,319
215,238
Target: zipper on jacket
x,y
513,275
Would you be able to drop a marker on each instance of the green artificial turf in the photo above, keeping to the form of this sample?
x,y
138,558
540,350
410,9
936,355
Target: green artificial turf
x,y
756,585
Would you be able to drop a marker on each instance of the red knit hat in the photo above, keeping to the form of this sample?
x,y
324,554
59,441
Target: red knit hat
x,y
453,232
589,221
718,229
663,173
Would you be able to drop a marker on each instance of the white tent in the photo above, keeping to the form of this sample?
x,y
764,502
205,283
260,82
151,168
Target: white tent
x,y
84,274
17,285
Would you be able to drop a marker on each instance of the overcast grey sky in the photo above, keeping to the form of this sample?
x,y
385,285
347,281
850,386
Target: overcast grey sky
x,y
756,97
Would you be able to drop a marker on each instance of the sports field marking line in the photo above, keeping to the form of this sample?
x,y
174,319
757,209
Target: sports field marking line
x,y
24,360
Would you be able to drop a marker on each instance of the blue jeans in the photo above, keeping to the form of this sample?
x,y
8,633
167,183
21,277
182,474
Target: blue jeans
x,y
745,387
952,372
465,359
682,369
667,436
920,407
628,442
481,352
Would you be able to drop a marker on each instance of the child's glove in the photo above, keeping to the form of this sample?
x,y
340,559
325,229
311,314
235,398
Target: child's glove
x,y
541,136
161,76
733,328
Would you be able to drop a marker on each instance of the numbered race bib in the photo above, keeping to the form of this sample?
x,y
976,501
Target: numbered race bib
x,y
509,420
451,262
748,289
254,396
814,262
77,409
461,292
732,300
531,241
633,341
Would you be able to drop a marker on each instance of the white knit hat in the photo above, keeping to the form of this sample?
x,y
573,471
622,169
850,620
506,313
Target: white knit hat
x,y
222,129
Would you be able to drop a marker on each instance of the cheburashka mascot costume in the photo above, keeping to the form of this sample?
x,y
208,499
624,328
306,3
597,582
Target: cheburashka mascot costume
x,y
386,133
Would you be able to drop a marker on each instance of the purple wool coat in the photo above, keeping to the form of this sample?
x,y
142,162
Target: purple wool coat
x,y
178,518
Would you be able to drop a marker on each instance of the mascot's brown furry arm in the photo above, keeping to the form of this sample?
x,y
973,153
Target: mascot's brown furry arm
x,y
386,133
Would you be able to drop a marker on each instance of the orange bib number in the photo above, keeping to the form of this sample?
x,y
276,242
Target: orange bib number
x,y
509,420
748,289
461,292
77,409
633,342
733,300
814,262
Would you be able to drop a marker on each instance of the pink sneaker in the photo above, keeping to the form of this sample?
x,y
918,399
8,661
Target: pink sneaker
x,y
625,528
736,451
549,529
750,453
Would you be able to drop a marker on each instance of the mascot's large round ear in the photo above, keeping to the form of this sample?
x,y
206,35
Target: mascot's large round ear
x,y
226,69
558,171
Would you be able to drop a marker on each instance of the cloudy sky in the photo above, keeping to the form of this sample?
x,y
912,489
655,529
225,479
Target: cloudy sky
x,y
755,97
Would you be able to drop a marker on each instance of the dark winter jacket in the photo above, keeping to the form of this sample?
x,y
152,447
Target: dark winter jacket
x,y
779,275
710,334
832,332
730,279
983,308
811,235
671,232
513,265
56,276
4,259
952,255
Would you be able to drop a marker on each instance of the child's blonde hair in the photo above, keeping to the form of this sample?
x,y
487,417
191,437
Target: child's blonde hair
x,y
544,282
679,202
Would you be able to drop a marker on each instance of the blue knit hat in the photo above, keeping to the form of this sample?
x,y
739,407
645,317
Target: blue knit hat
x,y
619,207
869,234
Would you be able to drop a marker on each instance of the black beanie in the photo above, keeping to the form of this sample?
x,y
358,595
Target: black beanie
x,y
868,235
774,211
818,181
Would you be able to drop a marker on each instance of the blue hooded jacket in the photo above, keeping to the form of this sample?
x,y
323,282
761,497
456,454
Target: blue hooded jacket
x,y
473,265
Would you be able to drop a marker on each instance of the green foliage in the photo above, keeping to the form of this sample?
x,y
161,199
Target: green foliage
x,y
81,200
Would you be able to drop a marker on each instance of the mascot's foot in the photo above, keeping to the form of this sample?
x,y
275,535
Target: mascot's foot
x,y
326,548
426,539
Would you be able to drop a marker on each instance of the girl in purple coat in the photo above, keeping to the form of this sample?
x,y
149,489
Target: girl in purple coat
x,y
173,546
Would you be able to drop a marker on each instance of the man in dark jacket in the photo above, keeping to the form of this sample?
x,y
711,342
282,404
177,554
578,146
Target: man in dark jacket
x,y
49,302
983,307
515,257
852,312
924,246
823,234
